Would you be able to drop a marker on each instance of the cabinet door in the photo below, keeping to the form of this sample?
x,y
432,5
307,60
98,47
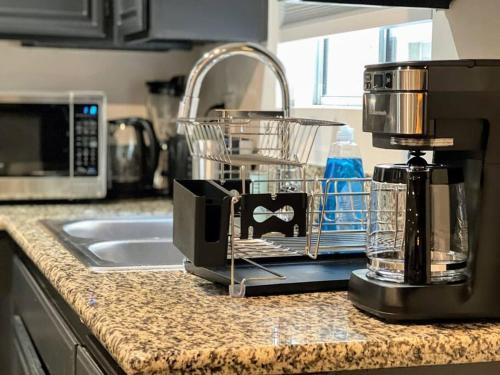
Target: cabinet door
x,y
53,18
53,339
130,16
146,21
85,364
25,358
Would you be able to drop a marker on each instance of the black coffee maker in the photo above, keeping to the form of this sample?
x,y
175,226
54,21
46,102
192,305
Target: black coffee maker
x,y
453,109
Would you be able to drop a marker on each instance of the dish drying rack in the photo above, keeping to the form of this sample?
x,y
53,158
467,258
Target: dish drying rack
x,y
279,140
270,211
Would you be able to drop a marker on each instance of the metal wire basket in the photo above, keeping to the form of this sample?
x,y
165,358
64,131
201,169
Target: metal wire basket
x,y
245,138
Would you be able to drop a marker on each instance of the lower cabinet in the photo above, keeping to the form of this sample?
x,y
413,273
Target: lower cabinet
x,y
25,360
44,343
85,364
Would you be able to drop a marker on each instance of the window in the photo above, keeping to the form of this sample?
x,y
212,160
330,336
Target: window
x,y
329,70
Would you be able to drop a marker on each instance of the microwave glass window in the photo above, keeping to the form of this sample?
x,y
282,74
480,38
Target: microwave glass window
x,y
34,140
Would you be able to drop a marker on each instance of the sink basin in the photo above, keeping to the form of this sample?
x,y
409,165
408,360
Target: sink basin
x,y
115,229
138,252
120,243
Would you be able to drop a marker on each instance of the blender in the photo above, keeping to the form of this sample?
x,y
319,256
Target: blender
x,y
162,106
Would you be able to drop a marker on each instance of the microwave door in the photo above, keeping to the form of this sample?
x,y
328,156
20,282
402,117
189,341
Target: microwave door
x,y
34,140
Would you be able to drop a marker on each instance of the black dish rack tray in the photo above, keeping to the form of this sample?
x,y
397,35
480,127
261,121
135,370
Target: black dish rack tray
x,y
216,227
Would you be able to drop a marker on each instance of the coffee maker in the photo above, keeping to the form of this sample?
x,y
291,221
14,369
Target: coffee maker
x,y
451,108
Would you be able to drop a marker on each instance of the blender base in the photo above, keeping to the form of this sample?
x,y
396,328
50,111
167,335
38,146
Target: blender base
x,y
403,302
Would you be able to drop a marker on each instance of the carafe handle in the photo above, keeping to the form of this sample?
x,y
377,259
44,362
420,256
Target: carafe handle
x,y
417,256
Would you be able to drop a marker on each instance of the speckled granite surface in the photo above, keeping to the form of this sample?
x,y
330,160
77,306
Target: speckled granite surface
x,y
173,322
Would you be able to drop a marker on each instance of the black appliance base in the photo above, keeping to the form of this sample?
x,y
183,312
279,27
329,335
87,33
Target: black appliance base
x,y
402,302
302,274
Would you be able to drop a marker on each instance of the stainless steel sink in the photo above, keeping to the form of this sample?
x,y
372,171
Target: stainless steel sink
x,y
115,229
139,252
120,243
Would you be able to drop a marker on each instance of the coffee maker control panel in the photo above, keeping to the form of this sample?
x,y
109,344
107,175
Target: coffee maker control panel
x,y
398,79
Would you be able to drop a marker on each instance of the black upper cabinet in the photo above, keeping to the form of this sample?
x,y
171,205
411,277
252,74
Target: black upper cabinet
x,y
132,24
53,18
151,21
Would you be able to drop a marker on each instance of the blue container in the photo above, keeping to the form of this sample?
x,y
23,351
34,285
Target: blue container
x,y
343,211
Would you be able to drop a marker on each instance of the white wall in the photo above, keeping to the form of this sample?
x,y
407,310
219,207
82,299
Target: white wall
x,y
470,29
238,81
120,74
443,44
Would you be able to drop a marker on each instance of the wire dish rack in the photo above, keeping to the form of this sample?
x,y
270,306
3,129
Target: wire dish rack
x,y
249,138
276,214
335,224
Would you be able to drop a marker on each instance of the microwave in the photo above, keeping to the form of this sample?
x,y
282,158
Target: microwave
x,y
52,145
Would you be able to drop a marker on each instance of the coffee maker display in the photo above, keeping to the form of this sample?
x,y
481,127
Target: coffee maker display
x,y
433,228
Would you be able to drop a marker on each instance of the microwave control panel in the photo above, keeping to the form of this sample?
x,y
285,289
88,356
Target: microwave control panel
x,y
86,139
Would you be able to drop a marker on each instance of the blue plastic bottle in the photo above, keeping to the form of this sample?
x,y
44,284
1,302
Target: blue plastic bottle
x,y
344,161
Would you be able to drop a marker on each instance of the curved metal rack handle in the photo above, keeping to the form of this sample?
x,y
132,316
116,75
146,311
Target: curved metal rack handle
x,y
188,107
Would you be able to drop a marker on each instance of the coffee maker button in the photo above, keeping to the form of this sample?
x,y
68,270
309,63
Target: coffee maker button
x,y
388,80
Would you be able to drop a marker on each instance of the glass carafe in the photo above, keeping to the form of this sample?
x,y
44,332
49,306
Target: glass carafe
x,y
417,224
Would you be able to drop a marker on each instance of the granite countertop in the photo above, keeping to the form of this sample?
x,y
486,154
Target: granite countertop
x,y
173,322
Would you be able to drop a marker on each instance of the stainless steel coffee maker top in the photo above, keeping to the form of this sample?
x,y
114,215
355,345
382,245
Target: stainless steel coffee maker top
x,y
396,79
394,101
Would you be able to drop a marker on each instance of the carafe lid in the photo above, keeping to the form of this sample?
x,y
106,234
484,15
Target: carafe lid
x,y
398,173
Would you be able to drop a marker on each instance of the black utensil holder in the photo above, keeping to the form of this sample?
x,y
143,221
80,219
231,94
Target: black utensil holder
x,y
201,220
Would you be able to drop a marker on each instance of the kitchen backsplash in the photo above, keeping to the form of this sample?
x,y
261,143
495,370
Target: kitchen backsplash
x,y
120,74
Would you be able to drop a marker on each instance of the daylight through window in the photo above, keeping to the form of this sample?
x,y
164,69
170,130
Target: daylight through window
x,y
329,70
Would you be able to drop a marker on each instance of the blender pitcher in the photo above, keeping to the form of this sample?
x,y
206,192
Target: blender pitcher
x,y
417,224
162,106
